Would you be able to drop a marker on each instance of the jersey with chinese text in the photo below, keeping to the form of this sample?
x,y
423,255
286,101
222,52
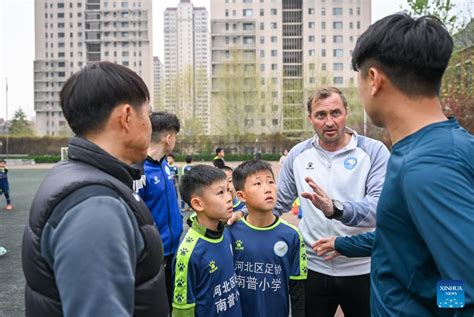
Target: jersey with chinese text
x,y
205,276
265,261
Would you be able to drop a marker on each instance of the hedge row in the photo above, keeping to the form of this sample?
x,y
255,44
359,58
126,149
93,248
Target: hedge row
x,y
204,157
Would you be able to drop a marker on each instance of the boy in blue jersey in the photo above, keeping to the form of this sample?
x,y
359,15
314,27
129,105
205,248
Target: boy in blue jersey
x,y
4,186
236,203
173,168
269,253
205,284
159,191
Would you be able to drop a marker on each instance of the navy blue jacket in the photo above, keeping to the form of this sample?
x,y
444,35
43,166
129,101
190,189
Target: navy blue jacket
x,y
159,194
425,223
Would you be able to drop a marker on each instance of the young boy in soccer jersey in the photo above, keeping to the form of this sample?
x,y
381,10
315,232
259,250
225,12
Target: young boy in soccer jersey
x,y
4,186
236,203
204,278
269,253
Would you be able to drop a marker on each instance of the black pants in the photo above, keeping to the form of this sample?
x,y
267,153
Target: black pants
x,y
324,293
168,262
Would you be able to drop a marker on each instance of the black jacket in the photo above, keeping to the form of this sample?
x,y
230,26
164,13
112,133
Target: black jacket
x,y
90,171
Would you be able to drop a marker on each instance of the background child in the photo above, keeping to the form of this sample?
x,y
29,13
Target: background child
x,y
185,170
205,282
236,203
269,253
4,187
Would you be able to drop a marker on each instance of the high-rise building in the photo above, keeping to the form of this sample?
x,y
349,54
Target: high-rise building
x,y
283,50
186,65
157,81
69,34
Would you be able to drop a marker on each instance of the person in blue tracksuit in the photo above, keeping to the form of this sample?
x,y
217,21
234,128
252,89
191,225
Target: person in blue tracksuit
x,y
159,191
4,186
425,219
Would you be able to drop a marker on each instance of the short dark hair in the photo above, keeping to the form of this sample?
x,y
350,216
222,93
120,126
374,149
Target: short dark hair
x,y
218,162
162,122
89,96
197,179
189,159
218,150
171,154
226,168
246,169
324,93
413,53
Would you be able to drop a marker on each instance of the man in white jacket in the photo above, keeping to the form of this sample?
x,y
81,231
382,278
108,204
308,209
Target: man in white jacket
x,y
341,174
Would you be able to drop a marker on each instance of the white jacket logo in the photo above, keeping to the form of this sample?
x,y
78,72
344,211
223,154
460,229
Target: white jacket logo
x,y
309,166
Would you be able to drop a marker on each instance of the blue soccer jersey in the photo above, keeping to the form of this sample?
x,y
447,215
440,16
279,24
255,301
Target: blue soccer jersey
x,y
266,259
204,280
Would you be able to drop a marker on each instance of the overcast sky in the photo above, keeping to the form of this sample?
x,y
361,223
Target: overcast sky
x,y
17,43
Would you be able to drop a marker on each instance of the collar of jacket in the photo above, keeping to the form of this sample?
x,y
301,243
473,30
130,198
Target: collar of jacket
x,y
208,233
82,150
152,160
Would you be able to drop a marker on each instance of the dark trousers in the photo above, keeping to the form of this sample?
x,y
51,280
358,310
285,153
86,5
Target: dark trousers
x,y
168,263
323,293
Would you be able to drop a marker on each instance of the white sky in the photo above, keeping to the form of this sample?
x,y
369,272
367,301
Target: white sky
x,y
17,43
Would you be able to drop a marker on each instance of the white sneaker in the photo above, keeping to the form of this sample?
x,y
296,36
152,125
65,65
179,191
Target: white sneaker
x,y
2,251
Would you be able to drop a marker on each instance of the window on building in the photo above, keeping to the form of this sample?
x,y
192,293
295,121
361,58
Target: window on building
x,y
274,26
323,25
262,26
273,11
323,67
338,80
311,66
358,10
274,66
337,66
310,10
262,67
312,52
262,39
323,52
338,53
274,39
311,25
262,12
262,53
336,11
323,38
337,39
337,25
274,53
311,38
323,11
60,5
247,12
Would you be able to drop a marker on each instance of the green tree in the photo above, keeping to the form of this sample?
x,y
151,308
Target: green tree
x,y
243,102
20,126
442,9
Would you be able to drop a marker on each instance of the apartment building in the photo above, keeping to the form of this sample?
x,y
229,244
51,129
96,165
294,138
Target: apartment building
x,y
286,49
186,65
71,33
158,73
